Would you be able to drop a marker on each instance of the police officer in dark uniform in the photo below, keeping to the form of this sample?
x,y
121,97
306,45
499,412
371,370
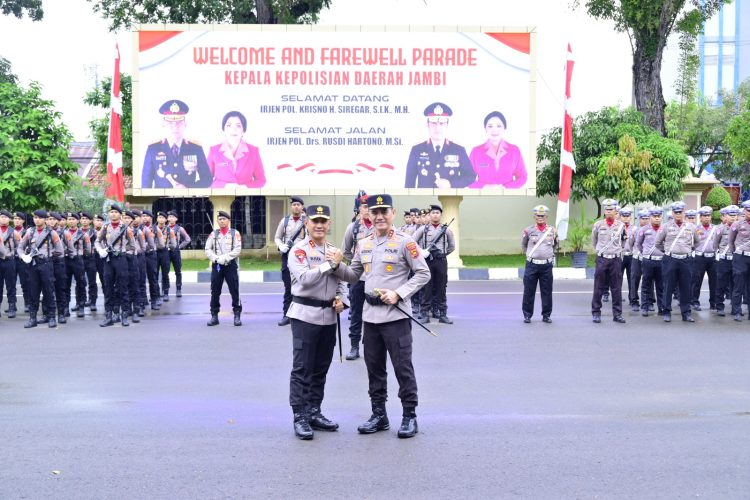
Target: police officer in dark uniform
x,y
36,249
139,234
19,223
539,243
98,225
636,264
9,241
704,261
724,257
131,256
78,246
89,261
175,162
435,249
438,162
223,247
290,230
162,253
112,243
182,240
59,271
607,237
152,235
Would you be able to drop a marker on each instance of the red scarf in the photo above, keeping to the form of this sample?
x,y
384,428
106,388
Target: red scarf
x,y
224,231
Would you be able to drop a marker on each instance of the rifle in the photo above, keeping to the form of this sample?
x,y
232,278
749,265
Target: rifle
x,y
111,249
35,249
290,242
432,248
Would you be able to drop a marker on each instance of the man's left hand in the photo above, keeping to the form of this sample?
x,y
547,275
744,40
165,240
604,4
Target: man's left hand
x,y
389,297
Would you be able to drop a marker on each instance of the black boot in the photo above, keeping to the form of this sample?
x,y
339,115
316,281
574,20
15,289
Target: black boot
x,y
445,319
165,297
31,323
52,323
319,422
11,311
75,308
425,317
302,426
108,321
61,319
92,306
354,353
408,423
66,313
377,422
284,321
155,305
135,318
124,320
116,317
179,292
237,319
26,308
141,311
80,313
214,320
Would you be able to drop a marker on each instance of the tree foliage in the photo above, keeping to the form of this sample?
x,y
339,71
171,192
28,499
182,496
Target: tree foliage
x,y
6,72
32,8
80,196
738,142
99,97
124,14
648,24
34,164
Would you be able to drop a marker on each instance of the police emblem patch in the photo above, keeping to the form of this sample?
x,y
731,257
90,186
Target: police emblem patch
x,y
412,248
300,254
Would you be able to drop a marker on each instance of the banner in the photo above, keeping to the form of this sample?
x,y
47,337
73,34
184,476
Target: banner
x,y
338,110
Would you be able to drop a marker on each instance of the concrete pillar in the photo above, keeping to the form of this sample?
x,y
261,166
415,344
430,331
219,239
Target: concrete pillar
x,y
221,203
450,206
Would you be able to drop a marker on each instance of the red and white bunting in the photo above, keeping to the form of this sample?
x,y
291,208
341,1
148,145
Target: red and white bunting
x,y
116,189
567,162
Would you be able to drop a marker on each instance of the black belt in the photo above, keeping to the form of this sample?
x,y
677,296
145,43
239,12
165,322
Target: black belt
x,y
151,252
305,301
373,300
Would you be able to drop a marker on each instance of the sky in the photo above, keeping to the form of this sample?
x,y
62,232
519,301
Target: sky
x,y
72,47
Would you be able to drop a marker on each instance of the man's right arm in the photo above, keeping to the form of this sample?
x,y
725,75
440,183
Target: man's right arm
x,y
277,239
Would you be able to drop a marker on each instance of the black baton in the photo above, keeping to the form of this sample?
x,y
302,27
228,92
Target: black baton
x,y
378,293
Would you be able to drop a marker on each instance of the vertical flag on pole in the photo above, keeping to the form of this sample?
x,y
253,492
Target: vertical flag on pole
x,y
567,162
116,187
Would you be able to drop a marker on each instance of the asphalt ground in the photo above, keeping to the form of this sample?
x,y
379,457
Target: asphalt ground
x,y
170,408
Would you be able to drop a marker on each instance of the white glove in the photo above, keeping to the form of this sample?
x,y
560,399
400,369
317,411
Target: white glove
x,y
284,248
26,258
424,252
102,253
220,260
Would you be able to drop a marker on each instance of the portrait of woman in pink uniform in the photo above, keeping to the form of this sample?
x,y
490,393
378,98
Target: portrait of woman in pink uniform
x,y
234,161
497,162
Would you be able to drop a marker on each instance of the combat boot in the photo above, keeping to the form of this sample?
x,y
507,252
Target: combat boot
x,y
179,292
141,312
108,321
409,426
75,308
12,311
353,353
116,317
425,317
124,321
31,323
135,318
213,321
445,319
92,306
284,321
80,313
377,422
60,319
319,422
26,308
165,297
52,323
155,305
302,427
237,319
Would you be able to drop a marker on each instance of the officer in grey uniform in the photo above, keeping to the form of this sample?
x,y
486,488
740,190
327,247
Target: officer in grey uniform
x,y
19,223
143,245
437,242
112,244
677,239
739,245
386,258
635,266
626,215
9,240
607,237
223,249
358,230
153,239
724,257
539,243
318,296
182,240
77,248
704,260
54,221
132,250
651,258
291,229
89,261
164,246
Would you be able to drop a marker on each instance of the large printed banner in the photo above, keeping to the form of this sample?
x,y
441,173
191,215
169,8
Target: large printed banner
x,y
333,110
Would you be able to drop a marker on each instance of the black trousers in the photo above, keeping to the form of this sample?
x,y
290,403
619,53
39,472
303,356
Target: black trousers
x,y
533,274
311,357
723,282
635,282
117,285
8,277
608,273
22,269
434,292
61,279
162,263
175,257
702,266
40,280
74,267
133,284
356,303
392,339
677,274
652,277
740,268
220,274
151,273
627,277
287,279
89,265
142,297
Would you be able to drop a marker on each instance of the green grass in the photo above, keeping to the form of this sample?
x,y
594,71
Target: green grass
x,y
246,264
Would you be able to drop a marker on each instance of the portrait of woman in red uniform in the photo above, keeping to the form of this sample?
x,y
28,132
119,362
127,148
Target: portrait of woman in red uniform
x,y
497,162
234,161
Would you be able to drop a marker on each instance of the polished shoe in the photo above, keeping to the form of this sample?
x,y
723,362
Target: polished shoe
x,y
159,301
124,320
721,313
108,321
651,308
635,308
92,308
237,319
26,308
445,319
644,313
696,307
667,318
408,427
302,426
527,319
45,318
619,319
155,306
141,312
319,422
74,308
596,318
61,319
377,422
165,297
605,297
52,323
116,317
687,317
425,319
135,319
353,353
31,322
179,293
80,313
546,319
284,321
12,312
738,317
213,321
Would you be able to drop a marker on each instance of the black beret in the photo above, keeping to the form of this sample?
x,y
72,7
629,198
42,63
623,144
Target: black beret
x,y
116,208
296,199
73,214
436,207
161,213
41,213
414,210
318,212
99,216
149,213
6,213
56,215
136,212
87,215
380,201
172,212
407,212
222,213
20,215
130,214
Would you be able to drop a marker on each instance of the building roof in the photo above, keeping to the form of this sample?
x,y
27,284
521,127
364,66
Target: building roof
x,y
89,164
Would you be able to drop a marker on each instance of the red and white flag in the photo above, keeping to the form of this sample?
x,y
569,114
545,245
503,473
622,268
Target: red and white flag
x,y
567,162
116,187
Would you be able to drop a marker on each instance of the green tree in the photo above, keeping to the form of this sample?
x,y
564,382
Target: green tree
x,y
124,14
648,24
99,97
738,142
717,199
32,8
34,164
6,72
80,196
